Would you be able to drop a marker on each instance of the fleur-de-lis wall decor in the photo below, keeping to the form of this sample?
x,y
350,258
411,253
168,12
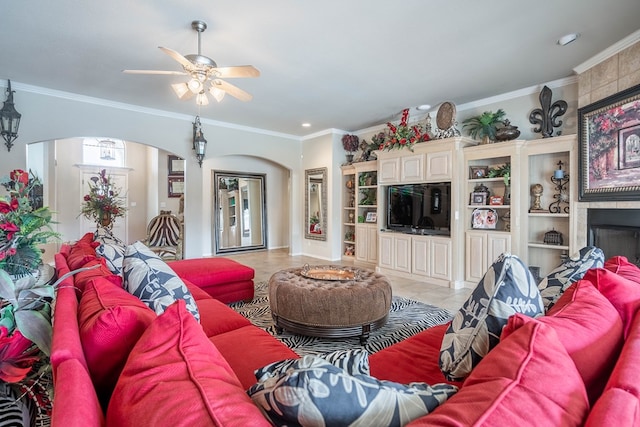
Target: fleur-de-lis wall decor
x,y
547,117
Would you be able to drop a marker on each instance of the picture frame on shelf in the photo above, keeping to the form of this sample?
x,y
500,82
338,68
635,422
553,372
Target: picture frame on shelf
x,y
496,200
609,148
477,199
176,165
478,172
484,218
176,186
371,217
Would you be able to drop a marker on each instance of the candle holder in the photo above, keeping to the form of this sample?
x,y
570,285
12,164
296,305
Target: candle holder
x,y
561,198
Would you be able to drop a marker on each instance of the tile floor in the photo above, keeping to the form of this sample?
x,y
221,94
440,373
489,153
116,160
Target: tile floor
x,y
265,263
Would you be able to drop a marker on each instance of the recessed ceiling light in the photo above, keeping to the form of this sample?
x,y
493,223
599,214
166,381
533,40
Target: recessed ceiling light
x,y
568,38
423,107
306,125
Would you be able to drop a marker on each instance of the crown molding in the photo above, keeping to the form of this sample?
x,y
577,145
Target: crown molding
x,y
138,109
608,52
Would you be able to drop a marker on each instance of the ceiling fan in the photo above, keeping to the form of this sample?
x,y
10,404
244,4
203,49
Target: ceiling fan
x,y
202,69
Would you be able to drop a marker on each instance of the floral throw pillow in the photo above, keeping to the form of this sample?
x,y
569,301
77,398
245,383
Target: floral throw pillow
x,y
507,288
312,391
571,270
111,249
149,278
354,362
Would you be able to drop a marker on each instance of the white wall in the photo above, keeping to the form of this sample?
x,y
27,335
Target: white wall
x,y
56,115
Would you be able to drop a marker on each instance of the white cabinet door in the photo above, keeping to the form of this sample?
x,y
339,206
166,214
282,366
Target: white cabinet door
x,y
438,166
389,171
475,255
412,168
421,256
440,258
372,245
361,243
386,254
402,246
496,245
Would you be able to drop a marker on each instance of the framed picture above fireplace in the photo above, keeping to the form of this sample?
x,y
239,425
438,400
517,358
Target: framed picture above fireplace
x,y
609,157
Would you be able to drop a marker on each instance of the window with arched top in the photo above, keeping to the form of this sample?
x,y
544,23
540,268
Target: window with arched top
x,y
103,152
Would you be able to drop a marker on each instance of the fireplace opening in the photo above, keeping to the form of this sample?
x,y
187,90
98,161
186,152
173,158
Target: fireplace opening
x,y
616,232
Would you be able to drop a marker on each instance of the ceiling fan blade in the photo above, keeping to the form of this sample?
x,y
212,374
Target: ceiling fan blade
x,y
170,73
238,71
232,90
178,57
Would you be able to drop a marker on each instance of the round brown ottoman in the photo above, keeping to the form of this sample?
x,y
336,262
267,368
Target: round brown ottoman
x,y
330,308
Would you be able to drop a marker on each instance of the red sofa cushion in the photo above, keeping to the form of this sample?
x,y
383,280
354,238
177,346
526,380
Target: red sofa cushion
x,y
412,360
211,271
75,404
176,377
616,407
80,254
621,266
623,293
588,327
526,378
111,322
249,348
222,278
217,318
82,278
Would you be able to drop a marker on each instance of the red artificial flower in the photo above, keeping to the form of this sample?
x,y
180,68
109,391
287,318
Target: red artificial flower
x,y
20,176
5,208
10,228
16,358
87,197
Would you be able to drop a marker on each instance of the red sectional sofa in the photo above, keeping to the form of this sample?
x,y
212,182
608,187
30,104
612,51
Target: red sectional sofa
x,y
115,363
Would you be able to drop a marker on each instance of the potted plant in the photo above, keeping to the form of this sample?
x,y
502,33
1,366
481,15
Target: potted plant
x,y
22,226
484,126
350,144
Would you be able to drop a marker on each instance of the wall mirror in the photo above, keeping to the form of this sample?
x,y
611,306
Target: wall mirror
x,y
315,202
239,219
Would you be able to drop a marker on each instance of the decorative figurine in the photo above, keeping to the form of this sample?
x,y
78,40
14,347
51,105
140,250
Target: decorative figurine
x,y
546,117
536,191
560,180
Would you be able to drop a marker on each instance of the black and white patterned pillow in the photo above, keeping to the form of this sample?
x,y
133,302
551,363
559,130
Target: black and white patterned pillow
x,y
149,278
571,270
111,249
313,391
354,362
507,288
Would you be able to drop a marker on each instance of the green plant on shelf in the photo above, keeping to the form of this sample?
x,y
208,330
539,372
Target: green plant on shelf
x,y
368,197
503,171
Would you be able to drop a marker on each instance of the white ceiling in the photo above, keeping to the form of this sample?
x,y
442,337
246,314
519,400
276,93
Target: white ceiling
x,y
333,63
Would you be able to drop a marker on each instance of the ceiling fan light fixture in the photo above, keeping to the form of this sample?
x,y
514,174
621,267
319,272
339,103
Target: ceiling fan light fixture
x,y
181,89
195,86
202,99
218,94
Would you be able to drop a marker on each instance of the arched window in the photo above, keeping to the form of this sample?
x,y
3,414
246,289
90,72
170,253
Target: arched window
x,y
103,152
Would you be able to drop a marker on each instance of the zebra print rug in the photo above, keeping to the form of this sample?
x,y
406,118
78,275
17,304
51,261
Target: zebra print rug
x,y
406,318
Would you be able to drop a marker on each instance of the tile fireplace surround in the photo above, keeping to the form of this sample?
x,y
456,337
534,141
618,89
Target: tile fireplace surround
x,y
630,218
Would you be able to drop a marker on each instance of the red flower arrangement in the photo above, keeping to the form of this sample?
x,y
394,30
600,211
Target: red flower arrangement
x,y
403,135
103,204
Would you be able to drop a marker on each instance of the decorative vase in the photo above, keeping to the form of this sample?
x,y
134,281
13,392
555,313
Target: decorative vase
x,y
105,219
507,195
350,158
485,140
508,132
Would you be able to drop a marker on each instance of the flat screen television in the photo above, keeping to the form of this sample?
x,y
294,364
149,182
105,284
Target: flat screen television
x,y
420,208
